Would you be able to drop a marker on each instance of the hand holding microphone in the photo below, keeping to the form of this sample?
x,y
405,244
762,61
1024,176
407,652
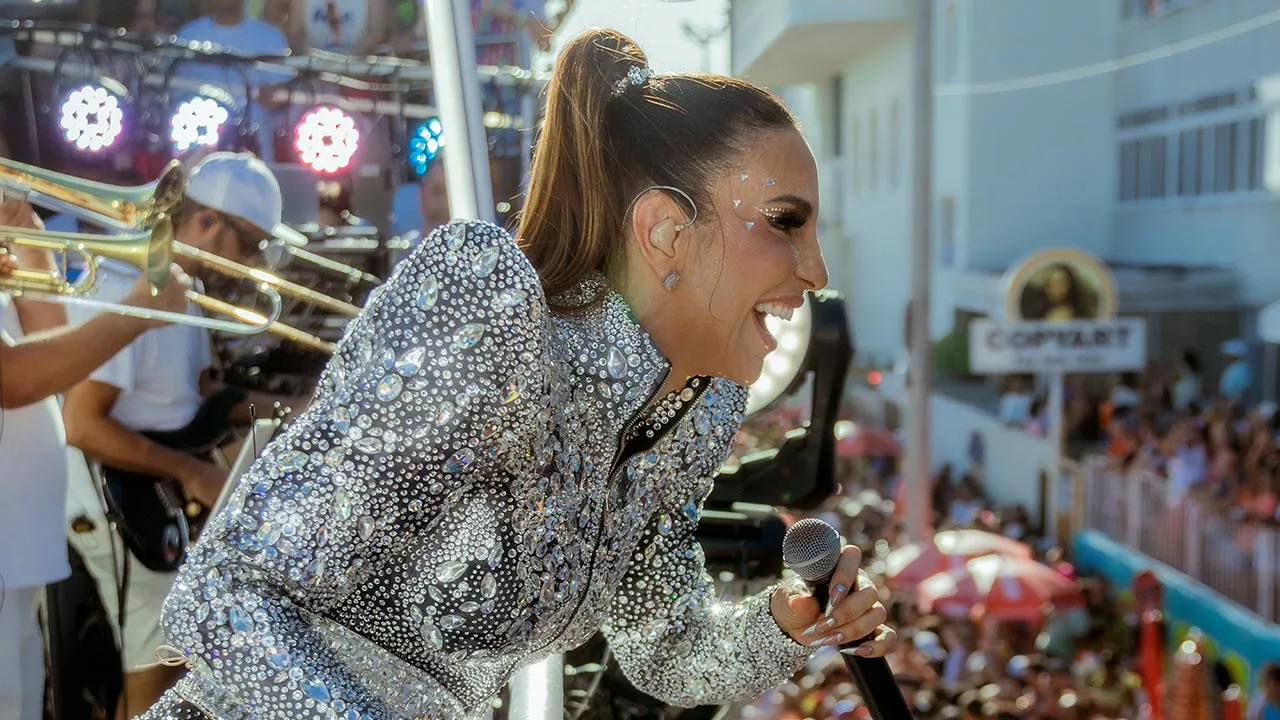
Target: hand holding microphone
x,y
845,606
851,620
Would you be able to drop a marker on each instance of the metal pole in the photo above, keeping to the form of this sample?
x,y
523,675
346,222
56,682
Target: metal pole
x,y
1057,419
466,151
537,691
919,460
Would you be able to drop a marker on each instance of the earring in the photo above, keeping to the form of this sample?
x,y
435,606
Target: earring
x,y
669,282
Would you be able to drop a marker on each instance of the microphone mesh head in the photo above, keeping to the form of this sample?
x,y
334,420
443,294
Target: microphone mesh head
x,y
812,549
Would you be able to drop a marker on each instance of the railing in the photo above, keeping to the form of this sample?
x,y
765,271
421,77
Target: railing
x,y
1231,555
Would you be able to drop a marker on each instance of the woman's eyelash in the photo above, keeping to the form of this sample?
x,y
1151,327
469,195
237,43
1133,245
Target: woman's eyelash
x,y
785,219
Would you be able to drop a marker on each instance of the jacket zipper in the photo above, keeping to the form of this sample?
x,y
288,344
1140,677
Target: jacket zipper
x,y
618,463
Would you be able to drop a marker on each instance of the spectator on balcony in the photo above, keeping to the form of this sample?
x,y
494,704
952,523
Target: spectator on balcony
x,y
1015,403
522,19
1224,474
350,27
1186,386
225,23
1125,394
1188,461
1236,379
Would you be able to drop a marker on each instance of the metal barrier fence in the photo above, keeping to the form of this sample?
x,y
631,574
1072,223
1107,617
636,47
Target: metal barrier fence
x,y
1213,545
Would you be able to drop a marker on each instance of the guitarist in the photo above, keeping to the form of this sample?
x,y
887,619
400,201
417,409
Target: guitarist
x,y
159,383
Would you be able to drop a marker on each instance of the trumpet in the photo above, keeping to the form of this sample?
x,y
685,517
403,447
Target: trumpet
x,y
151,252
126,209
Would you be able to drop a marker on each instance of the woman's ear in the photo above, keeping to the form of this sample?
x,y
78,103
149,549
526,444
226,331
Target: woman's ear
x,y
655,232
663,237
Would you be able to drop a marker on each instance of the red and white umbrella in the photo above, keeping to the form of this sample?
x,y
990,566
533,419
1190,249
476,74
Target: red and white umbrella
x,y
994,586
950,549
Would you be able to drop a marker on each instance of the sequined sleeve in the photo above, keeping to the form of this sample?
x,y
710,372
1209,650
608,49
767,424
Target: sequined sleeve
x,y
673,637
445,354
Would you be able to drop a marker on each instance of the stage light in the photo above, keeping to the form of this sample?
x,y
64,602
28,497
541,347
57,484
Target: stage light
x,y
425,145
92,116
781,365
197,121
326,139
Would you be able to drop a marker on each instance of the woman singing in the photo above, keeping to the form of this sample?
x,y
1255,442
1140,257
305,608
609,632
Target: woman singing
x,y
511,448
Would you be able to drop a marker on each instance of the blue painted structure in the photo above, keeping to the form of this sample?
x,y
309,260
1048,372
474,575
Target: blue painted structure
x,y
1240,639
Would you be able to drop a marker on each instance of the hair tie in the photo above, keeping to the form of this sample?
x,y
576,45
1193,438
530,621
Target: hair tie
x,y
635,77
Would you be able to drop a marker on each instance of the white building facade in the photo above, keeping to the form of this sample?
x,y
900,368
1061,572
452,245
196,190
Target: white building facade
x,y
1144,131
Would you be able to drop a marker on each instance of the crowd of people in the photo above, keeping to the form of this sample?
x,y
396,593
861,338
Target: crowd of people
x,y
1079,661
1209,442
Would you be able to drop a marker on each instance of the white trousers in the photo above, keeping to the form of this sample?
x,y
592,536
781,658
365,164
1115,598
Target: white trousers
x,y
103,552
21,654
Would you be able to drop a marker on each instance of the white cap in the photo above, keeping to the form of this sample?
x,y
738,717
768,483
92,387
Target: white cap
x,y
241,185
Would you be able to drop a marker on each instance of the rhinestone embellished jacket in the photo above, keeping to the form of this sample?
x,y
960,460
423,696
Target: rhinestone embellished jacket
x,y
476,485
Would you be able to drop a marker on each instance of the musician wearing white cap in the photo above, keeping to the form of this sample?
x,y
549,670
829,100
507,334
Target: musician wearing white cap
x,y
157,384
40,358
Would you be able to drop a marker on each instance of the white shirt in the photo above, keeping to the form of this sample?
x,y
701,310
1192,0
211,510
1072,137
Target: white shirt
x,y
159,373
335,25
1015,408
33,484
1125,397
1187,469
251,36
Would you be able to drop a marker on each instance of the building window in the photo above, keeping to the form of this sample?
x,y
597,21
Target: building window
x,y
1142,169
1255,148
1151,168
1189,162
873,149
837,116
1129,170
950,41
1224,157
1220,158
857,156
1143,8
895,143
947,230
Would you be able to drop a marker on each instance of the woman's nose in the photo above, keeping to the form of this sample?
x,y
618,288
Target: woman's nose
x,y
811,267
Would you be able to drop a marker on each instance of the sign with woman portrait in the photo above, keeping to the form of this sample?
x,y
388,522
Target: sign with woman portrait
x,y
1059,316
1060,285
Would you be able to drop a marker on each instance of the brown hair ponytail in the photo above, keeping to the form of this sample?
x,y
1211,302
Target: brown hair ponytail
x,y
595,150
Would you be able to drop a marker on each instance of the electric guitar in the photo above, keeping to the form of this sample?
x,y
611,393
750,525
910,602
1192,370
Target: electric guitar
x,y
155,517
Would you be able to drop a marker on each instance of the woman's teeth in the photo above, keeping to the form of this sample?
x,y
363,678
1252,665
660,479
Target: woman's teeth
x,y
782,312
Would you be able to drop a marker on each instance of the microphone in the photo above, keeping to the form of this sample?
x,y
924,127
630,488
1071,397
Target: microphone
x,y
812,549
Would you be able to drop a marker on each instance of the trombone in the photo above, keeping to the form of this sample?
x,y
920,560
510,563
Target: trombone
x,y
149,251
136,210
126,209
280,254
234,269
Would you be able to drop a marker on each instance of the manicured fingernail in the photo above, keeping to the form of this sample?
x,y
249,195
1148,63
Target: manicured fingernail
x,y
819,626
860,651
832,639
836,596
